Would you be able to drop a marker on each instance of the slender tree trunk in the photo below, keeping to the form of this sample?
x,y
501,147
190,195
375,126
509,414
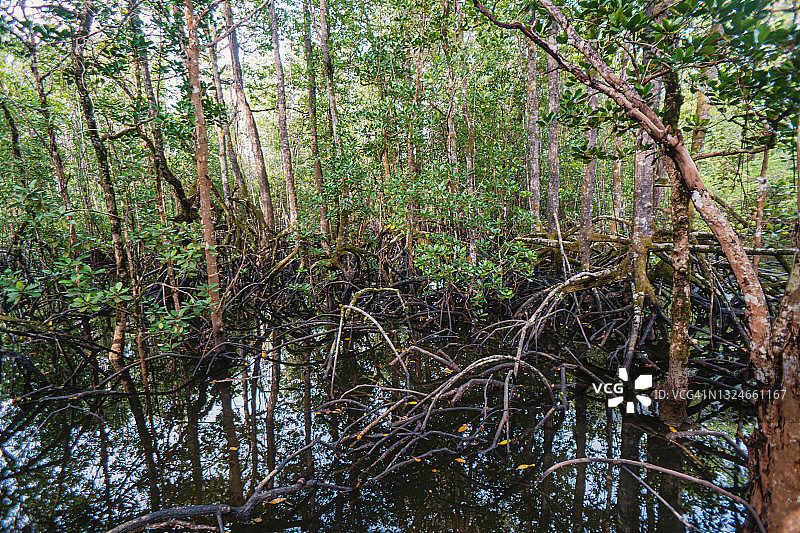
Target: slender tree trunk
x,y
762,197
386,158
673,411
553,103
532,129
203,179
16,152
451,143
642,230
242,106
188,211
286,150
469,147
701,115
209,239
324,226
223,129
617,169
412,164
232,161
616,176
115,222
52,144
243,191
327,69
333,123
587,191
775,449
644,159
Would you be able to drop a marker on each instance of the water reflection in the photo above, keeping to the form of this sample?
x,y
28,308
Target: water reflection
x,y
82,466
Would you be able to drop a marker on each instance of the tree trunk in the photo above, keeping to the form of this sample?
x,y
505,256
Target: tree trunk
x,y
469,147
673,410
553,101
617,168
209,239
532,129
587,191
52,144
286,150
249,122
324,226
616,176
759,218
115,222
223,129
188,212
333,124
775,450
232,161
203,179
412,165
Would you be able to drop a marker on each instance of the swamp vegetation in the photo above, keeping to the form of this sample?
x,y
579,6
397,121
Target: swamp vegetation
x,y
408,265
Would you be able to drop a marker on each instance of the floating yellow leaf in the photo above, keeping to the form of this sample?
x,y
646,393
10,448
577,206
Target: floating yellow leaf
x,y
463,428
257,520
277,500
504,441
672,429
412,403
417,459
233,448
523,467
434,470
460,460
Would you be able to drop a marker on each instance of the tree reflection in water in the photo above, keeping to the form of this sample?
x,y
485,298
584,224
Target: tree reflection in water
x,y
364,440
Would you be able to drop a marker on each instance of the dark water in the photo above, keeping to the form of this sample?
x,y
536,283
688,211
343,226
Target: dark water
x,y
76,464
